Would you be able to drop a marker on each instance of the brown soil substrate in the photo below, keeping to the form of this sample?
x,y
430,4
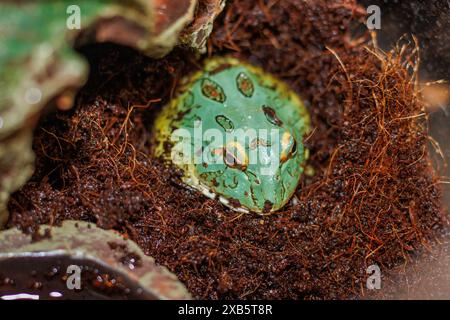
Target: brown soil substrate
x,y
373,199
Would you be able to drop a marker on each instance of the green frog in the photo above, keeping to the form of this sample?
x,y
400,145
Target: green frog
x,y
236,132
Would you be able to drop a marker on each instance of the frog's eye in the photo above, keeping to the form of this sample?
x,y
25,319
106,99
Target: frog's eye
x,y
288,146
272,116
234,156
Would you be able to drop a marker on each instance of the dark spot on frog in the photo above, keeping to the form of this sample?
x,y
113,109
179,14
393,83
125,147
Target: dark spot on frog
x,y
225,123
272,116
245,85
212,90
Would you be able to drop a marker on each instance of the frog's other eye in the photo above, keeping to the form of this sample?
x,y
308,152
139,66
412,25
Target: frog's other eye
x,y
288,146
234,156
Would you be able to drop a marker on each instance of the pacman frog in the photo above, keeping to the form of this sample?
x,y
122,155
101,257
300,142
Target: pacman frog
x,y
236,132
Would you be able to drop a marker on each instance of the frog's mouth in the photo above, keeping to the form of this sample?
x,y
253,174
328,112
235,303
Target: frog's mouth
x,y
193,183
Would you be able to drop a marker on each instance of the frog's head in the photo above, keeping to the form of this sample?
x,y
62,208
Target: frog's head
x,y
243,133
